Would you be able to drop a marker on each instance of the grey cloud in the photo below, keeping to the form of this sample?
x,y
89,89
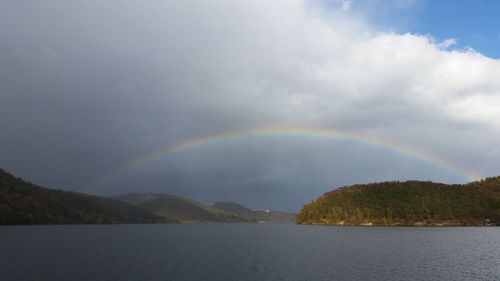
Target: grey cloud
x,y
88,86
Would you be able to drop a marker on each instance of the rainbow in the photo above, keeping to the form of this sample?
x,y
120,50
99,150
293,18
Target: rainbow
x,y
339,135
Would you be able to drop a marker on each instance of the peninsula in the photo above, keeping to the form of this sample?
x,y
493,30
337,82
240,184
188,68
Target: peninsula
x,y
411,203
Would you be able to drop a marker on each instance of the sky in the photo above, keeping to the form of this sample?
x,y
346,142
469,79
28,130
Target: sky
x,y
472,24
266,103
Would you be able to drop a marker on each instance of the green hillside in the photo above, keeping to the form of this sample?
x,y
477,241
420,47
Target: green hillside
x,y
24,203
407,203
180,209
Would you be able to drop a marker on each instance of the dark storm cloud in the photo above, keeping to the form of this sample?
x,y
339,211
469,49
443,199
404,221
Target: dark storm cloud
x,y
87,86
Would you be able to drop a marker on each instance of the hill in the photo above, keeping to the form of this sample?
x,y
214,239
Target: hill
x,y
180,209
407,203
234,208
257,215
24,203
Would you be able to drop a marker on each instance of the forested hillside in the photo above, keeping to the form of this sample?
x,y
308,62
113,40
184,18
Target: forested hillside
x,y
407,203
24,203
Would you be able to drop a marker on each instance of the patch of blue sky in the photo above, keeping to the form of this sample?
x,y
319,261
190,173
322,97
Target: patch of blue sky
x,y
472,23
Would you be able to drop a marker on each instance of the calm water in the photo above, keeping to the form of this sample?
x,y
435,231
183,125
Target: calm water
x,y
247,252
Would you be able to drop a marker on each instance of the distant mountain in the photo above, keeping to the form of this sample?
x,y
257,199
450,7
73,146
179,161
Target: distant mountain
x,y
234,208
180,209
275,216
258,215
407,203
24,203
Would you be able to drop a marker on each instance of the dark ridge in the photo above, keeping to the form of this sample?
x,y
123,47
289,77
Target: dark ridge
x,y
22,202
234,208
180,209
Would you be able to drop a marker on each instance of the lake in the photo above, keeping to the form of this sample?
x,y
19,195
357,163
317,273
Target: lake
x,y
247,252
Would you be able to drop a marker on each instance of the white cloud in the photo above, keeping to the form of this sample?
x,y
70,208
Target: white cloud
x,y
290,62
345,5
447,43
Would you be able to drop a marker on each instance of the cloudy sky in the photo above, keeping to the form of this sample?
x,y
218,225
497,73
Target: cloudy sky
x,y
95,95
